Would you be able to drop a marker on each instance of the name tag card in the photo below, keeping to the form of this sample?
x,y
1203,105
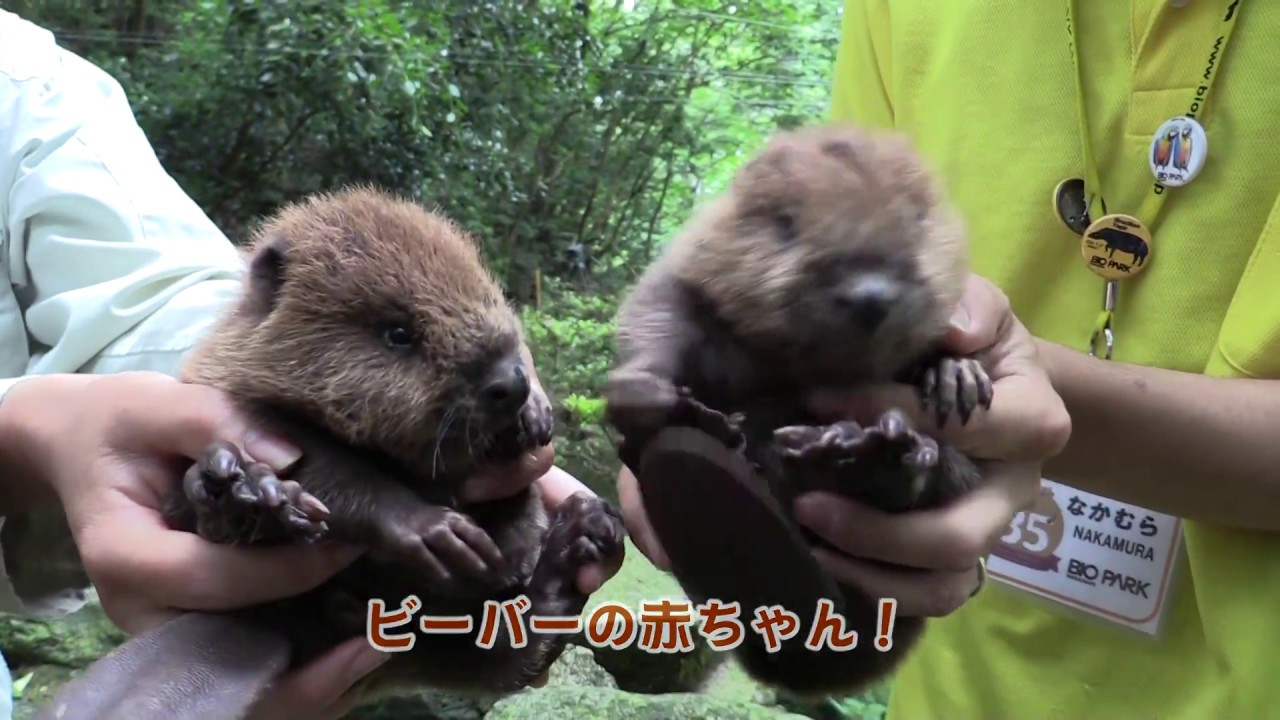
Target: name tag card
x,y
1107,558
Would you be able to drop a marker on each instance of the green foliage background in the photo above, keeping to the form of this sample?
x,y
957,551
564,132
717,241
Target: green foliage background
x,y
572,137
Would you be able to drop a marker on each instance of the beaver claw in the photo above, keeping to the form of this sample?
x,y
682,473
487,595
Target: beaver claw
x,y
640,405
239,502
888,465
959,384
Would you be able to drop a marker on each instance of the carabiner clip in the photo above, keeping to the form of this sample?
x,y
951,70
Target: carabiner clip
x,y
1102,328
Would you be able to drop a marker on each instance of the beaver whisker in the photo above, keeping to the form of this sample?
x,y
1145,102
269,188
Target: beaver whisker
x,y
441,432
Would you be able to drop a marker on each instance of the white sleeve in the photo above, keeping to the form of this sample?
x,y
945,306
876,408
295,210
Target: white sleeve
x,y
112,266
100,237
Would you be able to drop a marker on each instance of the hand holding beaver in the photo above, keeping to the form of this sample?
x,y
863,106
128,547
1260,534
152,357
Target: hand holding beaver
x,y
134,432
1026,425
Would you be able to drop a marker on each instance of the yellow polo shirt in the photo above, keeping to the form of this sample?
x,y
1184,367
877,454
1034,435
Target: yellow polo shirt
x,y
987,91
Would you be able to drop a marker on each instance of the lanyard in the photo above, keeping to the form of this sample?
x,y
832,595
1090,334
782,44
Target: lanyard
x,y
1154,200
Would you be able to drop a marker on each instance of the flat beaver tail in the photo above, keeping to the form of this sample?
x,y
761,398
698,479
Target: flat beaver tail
x,y
198,666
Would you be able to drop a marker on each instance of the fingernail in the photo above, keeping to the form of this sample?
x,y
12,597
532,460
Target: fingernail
x,y
269,449
960,320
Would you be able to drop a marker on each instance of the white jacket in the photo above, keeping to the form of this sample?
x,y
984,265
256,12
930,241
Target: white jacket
x,y
110,265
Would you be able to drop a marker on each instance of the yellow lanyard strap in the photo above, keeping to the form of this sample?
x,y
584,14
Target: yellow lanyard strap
x,y
1154,200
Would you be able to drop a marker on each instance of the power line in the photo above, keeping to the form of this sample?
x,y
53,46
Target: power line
x,y
459,59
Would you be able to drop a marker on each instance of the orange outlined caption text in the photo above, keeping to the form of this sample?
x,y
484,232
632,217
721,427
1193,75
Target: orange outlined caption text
x,y
661,626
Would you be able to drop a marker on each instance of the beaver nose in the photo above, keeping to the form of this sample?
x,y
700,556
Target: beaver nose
x,y
506,388
867,299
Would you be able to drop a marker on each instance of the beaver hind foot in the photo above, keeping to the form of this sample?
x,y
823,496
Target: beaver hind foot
x,y
239,501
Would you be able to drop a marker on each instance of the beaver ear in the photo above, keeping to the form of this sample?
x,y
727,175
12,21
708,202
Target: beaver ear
x,y
266,274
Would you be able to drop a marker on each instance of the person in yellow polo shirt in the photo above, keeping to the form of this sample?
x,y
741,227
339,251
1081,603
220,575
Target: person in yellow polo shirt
x,y
1102,613
1116,166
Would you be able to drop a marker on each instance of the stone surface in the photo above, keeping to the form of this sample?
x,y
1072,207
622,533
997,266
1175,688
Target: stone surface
x,y
586,703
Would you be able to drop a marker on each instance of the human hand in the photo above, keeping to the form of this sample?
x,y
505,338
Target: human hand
x,y
637,522
111,447
1026,425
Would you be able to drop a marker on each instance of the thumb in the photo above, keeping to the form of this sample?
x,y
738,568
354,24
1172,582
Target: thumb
x,y
194,417
182,570
496,481
637,522
977,319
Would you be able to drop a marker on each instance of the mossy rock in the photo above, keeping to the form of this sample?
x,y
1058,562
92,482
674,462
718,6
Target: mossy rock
x,y
44,654
574,667
73,641
635,669
34,686
423,706
584,703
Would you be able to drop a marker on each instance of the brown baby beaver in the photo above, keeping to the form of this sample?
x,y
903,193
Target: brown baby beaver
x,y
832,261
371,335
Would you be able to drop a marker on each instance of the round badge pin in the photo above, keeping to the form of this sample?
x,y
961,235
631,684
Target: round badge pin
x,y
1178,151
1070,205
1116,246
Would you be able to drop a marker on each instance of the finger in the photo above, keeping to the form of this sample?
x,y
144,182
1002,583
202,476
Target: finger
x,y
498,481
638,527
978,317
557,485
919,594
949,538
1016,427
180,569
322,689
171,417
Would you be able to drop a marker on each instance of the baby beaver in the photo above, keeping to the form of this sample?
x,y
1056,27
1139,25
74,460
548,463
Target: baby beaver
x,y
372,336
832,261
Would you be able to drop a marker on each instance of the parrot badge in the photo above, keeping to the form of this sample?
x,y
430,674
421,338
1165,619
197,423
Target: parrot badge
x,y
1183,157
1163,148
1178,150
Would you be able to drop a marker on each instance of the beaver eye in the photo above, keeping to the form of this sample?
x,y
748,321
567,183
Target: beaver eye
x,y
397,337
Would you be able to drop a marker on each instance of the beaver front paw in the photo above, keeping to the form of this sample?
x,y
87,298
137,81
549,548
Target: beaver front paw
x,y
584,530
955,384
448,546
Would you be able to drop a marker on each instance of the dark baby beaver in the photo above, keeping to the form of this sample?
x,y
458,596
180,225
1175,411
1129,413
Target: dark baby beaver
x,y
832,261
373,337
